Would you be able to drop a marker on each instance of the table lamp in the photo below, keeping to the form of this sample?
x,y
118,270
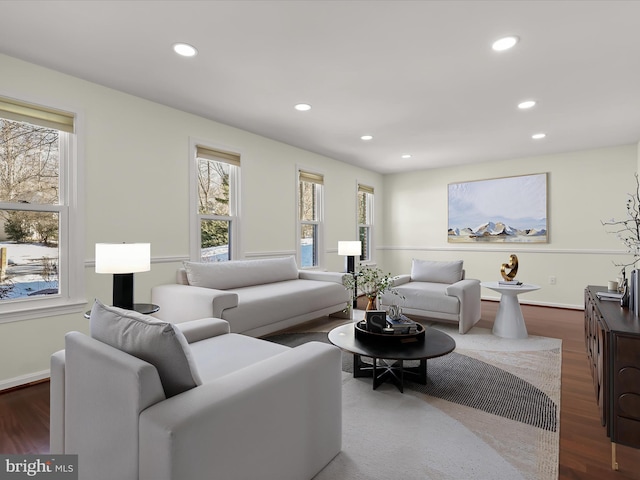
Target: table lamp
x,y
123,260
351,249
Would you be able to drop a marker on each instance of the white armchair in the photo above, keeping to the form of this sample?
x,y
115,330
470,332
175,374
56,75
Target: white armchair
x,y
248,409
439,291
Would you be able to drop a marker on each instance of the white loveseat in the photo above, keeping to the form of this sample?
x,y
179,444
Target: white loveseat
x,y
437,290
143,399
256,297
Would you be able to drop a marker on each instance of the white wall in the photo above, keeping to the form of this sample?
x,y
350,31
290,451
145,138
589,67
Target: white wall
x,y
137,190
583,189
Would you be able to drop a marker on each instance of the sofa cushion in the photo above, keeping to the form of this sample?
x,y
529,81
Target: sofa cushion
x,y
265,304
156,342
241,273
429,296
233,352
437,272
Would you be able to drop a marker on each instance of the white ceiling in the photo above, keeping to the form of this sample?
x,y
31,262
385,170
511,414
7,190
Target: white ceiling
x,y
420,76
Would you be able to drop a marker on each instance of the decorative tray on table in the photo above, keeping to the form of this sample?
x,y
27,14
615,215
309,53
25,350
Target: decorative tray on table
x,y
361,333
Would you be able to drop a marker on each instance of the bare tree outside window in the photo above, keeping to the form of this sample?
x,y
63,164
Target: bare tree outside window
x,y
309,216
214,208
29,226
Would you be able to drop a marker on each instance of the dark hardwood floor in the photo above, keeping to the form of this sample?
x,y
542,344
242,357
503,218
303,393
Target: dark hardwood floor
x,y
585,450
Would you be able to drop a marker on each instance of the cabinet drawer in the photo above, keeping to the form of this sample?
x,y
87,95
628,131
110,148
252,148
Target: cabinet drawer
x,y
628,405
628,351
627,381
627,432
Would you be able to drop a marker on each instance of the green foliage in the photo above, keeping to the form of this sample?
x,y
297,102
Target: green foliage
x,y
23,227
214,233
45,227
17,227
371,281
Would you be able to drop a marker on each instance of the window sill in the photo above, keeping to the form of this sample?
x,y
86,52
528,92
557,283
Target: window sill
x,y
32,309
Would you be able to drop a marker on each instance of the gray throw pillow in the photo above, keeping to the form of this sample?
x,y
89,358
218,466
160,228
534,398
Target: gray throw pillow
x,y
240,273
147,338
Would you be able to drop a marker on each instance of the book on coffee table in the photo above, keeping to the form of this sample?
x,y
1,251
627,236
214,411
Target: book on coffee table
x,y
402,325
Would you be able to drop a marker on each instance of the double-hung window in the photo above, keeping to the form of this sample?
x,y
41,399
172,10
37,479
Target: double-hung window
x,y
310,221
39,265
365,221
217,177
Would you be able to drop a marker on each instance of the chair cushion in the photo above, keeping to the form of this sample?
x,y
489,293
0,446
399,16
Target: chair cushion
x,y
437,272
149,339
241,273
430,297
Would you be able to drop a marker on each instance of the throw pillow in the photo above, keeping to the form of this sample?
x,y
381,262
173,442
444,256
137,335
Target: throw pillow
x,y
147,338
241,273
437,272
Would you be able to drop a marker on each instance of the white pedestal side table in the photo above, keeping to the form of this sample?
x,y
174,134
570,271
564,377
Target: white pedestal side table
x,y
509,322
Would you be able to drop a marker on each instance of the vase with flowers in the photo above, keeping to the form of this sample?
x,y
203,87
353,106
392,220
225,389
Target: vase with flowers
x,y
371,282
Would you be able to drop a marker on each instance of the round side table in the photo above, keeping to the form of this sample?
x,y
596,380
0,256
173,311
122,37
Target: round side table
x,y
509,322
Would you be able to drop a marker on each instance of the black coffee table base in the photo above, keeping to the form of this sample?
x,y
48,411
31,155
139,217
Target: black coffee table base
x,y
392,371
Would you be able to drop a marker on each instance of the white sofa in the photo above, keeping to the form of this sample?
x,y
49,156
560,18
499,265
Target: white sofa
x,y
143,399
437,290
256,297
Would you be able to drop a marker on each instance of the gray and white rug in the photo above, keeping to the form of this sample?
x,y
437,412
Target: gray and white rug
x,y
490,411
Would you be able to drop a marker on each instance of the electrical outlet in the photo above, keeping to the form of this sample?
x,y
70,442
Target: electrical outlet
x,y
552,280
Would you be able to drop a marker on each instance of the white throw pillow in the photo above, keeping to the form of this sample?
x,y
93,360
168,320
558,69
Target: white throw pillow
x,y
241,273
147,338
436,272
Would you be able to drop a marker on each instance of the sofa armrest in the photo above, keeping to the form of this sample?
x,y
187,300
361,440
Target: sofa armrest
x,y
105,391
196,330
400,280
468,294
459,288
335,277
229,423
179,303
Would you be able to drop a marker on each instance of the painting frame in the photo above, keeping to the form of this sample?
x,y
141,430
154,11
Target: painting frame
x,y
499,210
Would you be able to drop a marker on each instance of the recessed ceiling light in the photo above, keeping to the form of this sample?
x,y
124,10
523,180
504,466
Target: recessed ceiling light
x,y
302,107
406,155
185,49
505,43
538,136
526,104
366,137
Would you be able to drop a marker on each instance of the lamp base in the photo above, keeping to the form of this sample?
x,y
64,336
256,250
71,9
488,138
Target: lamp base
x,y
123,290
351,268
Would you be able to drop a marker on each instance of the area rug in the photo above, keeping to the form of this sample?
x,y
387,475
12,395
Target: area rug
x,y
490,410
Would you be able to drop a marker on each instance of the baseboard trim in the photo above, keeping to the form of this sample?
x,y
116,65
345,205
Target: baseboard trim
x,y
24,380
538,303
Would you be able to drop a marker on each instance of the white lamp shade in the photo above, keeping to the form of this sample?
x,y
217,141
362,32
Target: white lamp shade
x,y
123,257
350,248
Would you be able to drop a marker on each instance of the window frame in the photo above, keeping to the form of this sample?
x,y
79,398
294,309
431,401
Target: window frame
x,y
195,242
71,264
318,222
368,225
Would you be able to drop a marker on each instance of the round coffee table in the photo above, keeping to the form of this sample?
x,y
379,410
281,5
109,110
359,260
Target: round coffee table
x,y
387,359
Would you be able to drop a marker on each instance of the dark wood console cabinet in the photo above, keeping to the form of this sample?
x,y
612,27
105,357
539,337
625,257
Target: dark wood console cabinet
x,y
612,339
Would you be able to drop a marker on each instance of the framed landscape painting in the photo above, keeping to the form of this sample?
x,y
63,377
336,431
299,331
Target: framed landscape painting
x,y
510,209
